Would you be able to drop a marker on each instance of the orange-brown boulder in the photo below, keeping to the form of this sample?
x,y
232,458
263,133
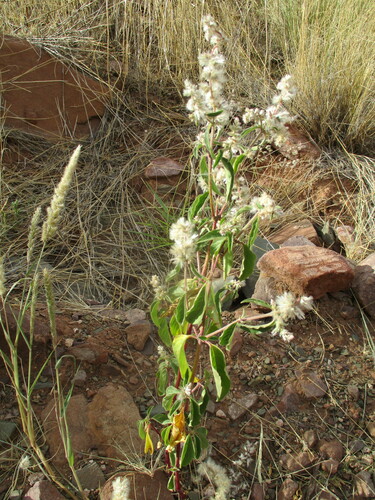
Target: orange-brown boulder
x,y
46,97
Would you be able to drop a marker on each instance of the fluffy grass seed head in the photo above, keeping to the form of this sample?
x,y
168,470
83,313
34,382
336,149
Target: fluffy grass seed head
x,y
25,462
120,488
58,200
184,238
218,476
2,277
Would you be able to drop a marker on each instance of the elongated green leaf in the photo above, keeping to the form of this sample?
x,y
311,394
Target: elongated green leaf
x,y
161,418
197,205
253,232
214,113
180,310
179,351
154,312
197,446
141,429
248,262
162,379
229,174
218,157
217,243
188,452
258,302
211,235
197,310
174,326
164,333
195,414
226,336
237,162
165,433
201,432
222,381
171,485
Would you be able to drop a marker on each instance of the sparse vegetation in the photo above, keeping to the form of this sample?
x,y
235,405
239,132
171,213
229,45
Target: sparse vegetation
x,y
112,237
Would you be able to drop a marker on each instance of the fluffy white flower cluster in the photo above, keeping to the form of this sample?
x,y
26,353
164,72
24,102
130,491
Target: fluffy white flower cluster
x,y
234,219
265,206
159,289
206,97
285,308
274,119
184,237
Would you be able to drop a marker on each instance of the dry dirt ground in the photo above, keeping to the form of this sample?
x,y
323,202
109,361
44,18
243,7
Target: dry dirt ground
x,y
301,412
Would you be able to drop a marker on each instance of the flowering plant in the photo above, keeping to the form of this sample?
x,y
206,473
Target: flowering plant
x,y
221,222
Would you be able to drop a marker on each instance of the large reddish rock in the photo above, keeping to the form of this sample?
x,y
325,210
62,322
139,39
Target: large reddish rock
x,y
364,284
308,270
43,96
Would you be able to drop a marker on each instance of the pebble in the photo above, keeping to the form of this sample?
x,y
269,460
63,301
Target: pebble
x,y
220,414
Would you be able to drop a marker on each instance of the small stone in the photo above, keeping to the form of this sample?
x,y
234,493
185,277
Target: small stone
x,y
296,462
91,476
311,438
237,342
332,449
371,429
163,167
310,384
290,400
7,430
43,490
68,342
238,408
138,333
134,380
307,270
346,235
220,414
303,228
353,392
349,312
364,284
211,407
326,495
364,486
287,490
79,378
257,492
330,466
89,352
135,315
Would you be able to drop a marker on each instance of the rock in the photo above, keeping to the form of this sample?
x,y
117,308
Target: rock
x,y
260,247
330,466
297,241
364,486
327,495
89,352
349,312
242,405
91,476
138,333
77,423
290,400
364,284
332,449
80,378
353,392
287,490
142,486
163,167
7,430
311,438
346,235
257,492
297,145
303,228
112,418
236,343
297,461
43,490
135,315
220,414
371,429
266,289
44,96
307,270
108,424
310,385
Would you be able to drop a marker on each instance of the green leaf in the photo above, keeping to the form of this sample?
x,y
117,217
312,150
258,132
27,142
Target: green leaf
x,y
201,432
141,429
211,235
222,381
248,262
175,271
237,162
171,485
179,351
162,379
161,418
258,302
197,446
195,414
197,205
226,336
154,312
165,433
218,157
214,113
228,256
253,232
164,333
174,326
188,452
180,310
217,243
204,402
229,174
197,310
